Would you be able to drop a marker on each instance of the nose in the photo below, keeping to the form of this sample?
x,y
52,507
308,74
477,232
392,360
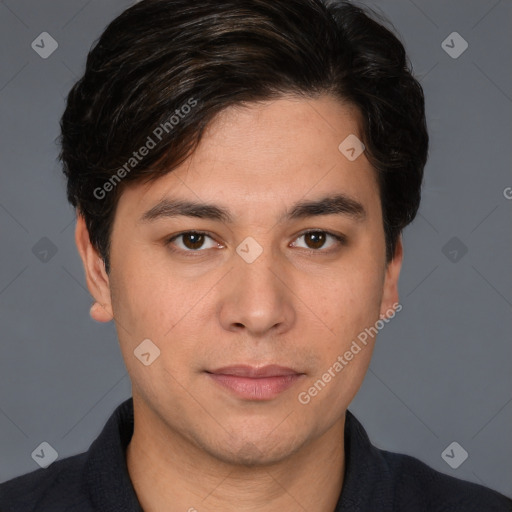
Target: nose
x,y
257,297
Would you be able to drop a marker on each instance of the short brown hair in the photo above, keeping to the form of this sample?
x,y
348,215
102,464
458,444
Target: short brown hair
x,y
160,55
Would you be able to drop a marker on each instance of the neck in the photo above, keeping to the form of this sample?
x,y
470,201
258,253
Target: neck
x,y
170,473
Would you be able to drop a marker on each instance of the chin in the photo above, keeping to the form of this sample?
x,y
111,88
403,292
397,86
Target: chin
x,y
251,456
259,449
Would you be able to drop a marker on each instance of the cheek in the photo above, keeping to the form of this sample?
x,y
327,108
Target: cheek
x,y
352,307
149,302
139,301
350,301
144,288
148,306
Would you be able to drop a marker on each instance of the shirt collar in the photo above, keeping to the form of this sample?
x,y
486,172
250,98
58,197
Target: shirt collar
x,y
367,482
106,473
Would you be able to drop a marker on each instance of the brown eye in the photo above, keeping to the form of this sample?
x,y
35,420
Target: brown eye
x,y
193,240
190,242
315,239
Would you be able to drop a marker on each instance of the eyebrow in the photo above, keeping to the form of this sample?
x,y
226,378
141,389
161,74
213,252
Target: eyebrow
x,y
338,204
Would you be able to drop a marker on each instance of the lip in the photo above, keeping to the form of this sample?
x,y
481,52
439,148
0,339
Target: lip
x,y
255,383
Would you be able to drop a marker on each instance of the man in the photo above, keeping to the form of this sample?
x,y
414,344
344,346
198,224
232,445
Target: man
x,y
242,172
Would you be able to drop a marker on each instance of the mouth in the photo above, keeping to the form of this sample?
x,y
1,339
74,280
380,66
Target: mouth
x,y
255,383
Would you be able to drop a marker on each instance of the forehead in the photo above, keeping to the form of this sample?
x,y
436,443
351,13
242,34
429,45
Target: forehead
x,y
271,153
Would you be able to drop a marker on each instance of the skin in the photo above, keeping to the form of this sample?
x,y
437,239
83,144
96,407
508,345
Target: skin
x,y
300,304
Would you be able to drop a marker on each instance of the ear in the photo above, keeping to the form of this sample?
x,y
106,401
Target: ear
x,y
95,275
390,299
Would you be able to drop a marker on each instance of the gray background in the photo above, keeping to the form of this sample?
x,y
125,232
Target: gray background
x,y
442,368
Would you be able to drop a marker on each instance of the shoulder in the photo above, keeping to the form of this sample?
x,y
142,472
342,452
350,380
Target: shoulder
x,y
56,488
419,487
378,479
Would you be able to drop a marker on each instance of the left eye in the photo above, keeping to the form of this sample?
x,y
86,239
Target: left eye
x,y
317,239
192,241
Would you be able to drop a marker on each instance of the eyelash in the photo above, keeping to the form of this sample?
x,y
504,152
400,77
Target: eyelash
x,y
341,239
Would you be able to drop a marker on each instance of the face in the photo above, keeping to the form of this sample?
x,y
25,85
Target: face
x,y
255,302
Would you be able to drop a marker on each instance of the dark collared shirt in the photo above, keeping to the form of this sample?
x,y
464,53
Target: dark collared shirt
x,y
375,480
